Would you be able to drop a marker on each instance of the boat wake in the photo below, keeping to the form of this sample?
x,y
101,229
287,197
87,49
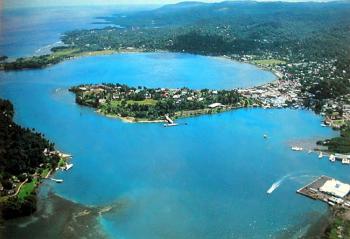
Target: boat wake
x,y
278,183
293,176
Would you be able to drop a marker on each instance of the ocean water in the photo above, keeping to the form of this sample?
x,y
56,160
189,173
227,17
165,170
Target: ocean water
x,y
207,179
33,31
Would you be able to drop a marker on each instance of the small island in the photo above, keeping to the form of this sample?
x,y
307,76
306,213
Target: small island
x,y
144,104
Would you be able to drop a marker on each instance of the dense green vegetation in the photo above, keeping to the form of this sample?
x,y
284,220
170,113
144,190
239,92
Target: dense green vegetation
x,y
41,61
339,144
2,58
21,155
339,225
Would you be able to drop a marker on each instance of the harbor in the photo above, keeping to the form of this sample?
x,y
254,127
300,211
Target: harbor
x,y
328,190
333,157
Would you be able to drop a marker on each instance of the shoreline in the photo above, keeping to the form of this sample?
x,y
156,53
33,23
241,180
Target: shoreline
x,y
129,119
75,220
278,75
177,115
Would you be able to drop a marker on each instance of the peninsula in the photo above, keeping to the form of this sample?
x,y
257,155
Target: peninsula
x,y
26,159
144,104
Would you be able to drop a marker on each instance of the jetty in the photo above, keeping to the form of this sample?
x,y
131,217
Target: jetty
x,y
170,122
328,190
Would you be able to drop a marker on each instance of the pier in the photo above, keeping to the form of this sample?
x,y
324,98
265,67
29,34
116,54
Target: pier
x,y
328,190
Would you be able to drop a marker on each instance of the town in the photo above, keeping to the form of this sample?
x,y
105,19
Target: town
x,y
299,85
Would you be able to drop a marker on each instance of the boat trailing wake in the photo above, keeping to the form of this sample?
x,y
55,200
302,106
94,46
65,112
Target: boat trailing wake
x,y
278,183
275,185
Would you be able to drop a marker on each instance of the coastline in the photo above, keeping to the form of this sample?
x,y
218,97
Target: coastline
x,y
75,220
129,119
37,181
177,115
75,55
275,72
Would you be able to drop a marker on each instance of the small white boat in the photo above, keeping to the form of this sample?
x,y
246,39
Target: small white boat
x,y
320,155
57,180
170,122
296,148
69,166
332,158
65,155
171,125
265,136
345,161
272,188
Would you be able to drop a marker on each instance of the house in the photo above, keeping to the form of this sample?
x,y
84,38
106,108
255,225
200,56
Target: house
x,y
215,105
102,101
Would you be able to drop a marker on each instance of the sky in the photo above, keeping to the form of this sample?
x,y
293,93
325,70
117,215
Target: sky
x,y
40,3
34,3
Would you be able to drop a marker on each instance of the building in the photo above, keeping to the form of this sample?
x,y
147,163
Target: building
x,y
335,188
215,105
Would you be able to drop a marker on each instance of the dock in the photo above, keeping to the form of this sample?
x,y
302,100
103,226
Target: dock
x,y
311,190
170,122
328,190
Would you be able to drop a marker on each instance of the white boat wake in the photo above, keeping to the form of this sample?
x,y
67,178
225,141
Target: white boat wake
x,y
293,176
278,183
273,187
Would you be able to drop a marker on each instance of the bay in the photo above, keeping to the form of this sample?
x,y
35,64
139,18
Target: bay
x,y
204,180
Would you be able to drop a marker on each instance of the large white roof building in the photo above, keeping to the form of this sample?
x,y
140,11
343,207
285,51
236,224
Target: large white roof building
x,y
335,188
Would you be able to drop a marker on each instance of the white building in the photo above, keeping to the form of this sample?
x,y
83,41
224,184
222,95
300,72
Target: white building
x,y
335,188
214,105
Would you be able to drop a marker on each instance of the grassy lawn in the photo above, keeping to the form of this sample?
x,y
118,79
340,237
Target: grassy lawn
x,y
65,52
70,52
116,103
27,189
62,162
338,122
45,172
340,228
268,62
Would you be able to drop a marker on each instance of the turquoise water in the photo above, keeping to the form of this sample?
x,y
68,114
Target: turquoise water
x,y
207,179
